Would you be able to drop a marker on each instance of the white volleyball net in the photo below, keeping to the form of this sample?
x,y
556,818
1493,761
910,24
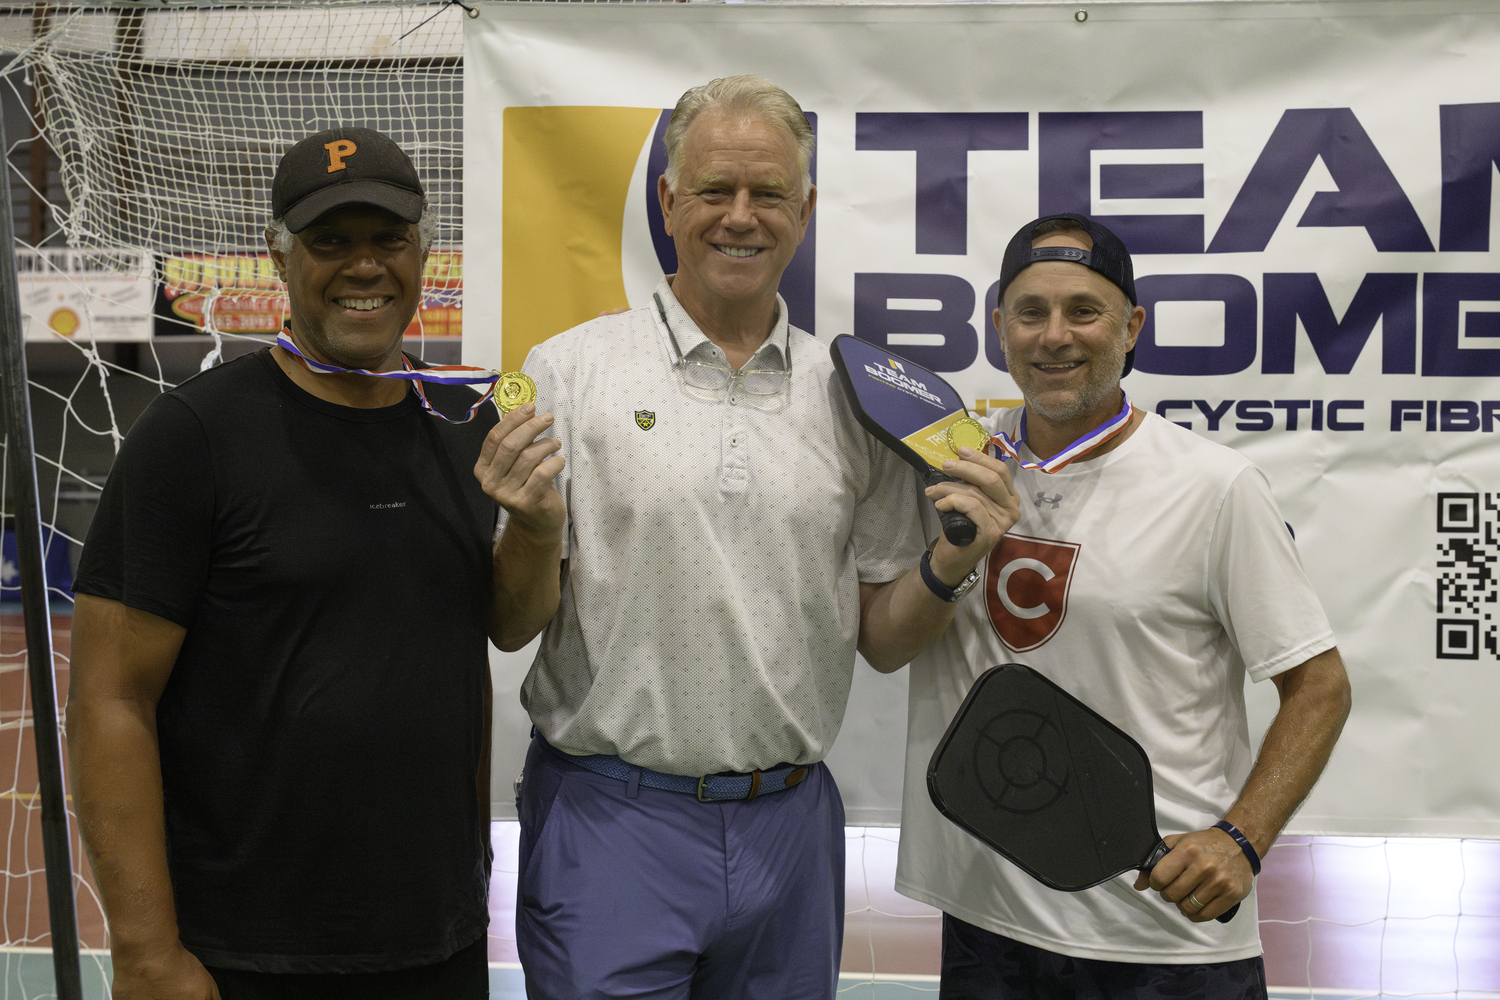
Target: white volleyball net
x,y
142,142
141,145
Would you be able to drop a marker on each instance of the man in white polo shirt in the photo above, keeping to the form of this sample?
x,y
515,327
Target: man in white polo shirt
x,y
1149,573
705,536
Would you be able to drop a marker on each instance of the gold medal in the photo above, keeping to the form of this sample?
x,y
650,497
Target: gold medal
x,y
967,432
512,390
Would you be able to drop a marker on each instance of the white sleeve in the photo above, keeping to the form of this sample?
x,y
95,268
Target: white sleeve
x,y
1257,587
887,529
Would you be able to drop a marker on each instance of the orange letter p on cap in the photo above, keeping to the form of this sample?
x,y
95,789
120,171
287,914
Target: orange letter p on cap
x,y
337,150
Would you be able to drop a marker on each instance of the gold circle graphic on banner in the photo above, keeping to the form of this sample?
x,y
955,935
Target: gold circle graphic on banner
x,y
512,390
967,432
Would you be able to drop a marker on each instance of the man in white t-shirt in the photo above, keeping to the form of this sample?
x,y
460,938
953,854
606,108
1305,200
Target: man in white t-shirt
x,y
705,535
1149,572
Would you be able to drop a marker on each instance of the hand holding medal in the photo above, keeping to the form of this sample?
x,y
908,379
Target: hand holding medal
x,y
966,432
518,464
513,389
916,414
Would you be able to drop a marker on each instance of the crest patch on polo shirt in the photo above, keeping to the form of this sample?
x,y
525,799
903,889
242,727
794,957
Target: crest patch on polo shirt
x,y
645,419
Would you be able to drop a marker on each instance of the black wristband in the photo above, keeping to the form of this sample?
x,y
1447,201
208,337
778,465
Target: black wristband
x,y
1243,841
939,589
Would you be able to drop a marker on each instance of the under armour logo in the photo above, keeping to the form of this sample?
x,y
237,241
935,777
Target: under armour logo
x,y
1042,498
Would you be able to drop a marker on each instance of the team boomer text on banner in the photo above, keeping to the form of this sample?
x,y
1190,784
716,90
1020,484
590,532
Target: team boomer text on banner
x,y
1309,202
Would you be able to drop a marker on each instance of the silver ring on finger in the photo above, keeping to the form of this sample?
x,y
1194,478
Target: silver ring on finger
x,y
1194,900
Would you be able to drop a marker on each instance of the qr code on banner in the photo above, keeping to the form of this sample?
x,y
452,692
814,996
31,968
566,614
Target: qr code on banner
x,y
1468,550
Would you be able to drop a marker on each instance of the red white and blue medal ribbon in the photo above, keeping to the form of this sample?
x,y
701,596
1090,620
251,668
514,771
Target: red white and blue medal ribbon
x,y
1011,448
446,374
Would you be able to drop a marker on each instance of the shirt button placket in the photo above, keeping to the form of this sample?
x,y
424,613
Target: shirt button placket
x,y
734,472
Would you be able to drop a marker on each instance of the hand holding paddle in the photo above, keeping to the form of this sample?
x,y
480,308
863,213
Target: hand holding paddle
x,y
916,414
958,527
976,488
1060,791
1205,867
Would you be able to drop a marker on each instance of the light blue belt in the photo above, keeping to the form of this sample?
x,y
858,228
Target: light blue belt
x,y
708,788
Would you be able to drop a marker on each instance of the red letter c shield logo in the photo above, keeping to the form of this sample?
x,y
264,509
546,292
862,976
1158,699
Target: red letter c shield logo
x,y
1026,589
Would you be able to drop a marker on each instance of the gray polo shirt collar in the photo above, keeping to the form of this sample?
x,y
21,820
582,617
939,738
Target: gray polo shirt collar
x,y
694,345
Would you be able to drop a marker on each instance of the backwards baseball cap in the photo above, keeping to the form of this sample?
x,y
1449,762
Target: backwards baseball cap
x,y
344,166
1108,258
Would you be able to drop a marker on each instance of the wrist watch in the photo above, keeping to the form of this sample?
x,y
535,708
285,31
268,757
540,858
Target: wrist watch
x,y
939,588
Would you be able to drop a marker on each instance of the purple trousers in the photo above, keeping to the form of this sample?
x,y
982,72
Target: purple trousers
x,y
657,896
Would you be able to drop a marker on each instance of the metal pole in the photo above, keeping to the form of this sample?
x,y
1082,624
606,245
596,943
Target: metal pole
x,y
41,18
26,507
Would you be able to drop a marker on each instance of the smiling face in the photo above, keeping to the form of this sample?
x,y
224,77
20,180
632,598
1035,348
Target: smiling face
x,y
354,279
737,213
1066,330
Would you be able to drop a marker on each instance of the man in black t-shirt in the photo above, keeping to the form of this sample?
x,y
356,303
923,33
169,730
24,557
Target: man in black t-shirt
x,y
278,718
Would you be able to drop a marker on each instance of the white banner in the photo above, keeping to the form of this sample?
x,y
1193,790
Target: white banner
x,y
1307,191
85,294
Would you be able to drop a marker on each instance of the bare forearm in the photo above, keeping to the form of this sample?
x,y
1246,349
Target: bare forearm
x,y
122,659
1206,873
519,470
528,585
1315,701
116,777
897,620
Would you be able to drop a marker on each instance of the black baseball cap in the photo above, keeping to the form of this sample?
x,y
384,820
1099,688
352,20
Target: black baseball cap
x,y
344,166
1108,258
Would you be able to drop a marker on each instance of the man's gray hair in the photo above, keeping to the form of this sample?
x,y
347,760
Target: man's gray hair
x,y
740,95
281,238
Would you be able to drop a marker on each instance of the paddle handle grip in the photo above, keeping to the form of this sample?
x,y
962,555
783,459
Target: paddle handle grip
x,y
957,528
1160,852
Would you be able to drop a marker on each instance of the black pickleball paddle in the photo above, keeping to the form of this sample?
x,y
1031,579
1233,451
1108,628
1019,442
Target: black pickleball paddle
x,y
908,409
1049,783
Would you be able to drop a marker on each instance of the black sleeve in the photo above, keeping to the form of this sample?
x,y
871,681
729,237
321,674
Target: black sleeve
x,y
148,546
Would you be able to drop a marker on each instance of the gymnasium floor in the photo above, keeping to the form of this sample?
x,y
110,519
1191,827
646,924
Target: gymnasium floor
x,y
1341,917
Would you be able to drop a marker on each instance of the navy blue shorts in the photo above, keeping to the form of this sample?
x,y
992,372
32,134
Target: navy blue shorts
x,y
981,965
662,897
